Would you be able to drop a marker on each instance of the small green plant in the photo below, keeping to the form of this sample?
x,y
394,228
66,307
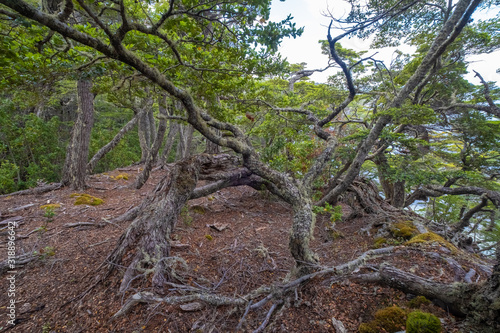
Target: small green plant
x,y
46,328
186,217
422,322
49,211
334,211
46,252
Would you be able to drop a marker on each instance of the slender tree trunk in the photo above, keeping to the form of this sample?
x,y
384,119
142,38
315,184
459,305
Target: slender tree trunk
x,y
185,140
77,153
399,194
153,152
112,144
382,167
145,128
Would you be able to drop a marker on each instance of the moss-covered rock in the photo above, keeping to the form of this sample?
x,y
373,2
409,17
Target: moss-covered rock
x,y
86,199
405,230
430,237
421,322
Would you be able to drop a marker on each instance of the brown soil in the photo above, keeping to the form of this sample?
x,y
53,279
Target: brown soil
x,y
53,295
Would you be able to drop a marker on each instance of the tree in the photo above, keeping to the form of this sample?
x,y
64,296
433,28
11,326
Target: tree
x,y
164,42
75,166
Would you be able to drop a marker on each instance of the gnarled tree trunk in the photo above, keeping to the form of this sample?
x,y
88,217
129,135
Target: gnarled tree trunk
x,y
149,234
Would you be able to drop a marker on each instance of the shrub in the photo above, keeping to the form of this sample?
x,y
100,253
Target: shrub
x,y
421,322
8,174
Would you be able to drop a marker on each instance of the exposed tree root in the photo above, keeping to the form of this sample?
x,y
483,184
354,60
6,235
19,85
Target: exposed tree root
x,y
276,294
35,190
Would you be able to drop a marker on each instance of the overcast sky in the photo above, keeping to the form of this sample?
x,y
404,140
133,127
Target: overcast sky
x,y
308,14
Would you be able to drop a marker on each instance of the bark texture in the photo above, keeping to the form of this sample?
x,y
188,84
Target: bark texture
x,y
75,166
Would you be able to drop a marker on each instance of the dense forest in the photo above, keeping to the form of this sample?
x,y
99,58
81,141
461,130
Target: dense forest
x,y
197,91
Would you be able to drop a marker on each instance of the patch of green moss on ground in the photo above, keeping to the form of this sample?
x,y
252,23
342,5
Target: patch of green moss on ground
x,y
86,199
422,322
391,319
418,301
405,230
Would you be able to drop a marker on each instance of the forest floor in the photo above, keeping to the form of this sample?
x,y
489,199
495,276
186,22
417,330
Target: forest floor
x,y
234,241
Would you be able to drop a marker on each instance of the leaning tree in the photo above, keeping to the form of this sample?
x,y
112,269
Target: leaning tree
x,y
211,40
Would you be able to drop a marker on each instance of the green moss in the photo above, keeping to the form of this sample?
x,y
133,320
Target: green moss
x,y
421,322
390,320
86,199
123,176
418,301
198,209
368,328
405,230
379,242
50,206
430,237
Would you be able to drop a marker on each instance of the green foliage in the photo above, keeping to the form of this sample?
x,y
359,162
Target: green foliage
x,y
421,322
8,175
109,121
335,212
45,252
31,149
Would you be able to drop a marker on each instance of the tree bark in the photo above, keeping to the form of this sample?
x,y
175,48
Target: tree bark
x,y
145,127
74,172
185,140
